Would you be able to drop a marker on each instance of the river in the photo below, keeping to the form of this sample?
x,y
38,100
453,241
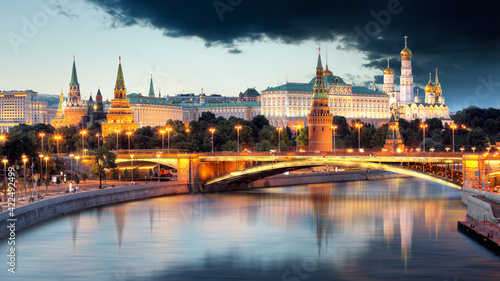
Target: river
x,y
398,229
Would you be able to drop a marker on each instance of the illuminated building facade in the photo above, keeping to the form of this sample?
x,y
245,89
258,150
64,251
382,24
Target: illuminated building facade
x,y
21,107
120,117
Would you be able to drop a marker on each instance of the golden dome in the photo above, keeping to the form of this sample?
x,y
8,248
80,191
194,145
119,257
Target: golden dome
x,y
430,88
327,72
406,52
388,70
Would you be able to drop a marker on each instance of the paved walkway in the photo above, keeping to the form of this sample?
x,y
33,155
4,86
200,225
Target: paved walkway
x,y
55,190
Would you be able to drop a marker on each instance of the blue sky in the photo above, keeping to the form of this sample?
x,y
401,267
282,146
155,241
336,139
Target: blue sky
x,y
39,40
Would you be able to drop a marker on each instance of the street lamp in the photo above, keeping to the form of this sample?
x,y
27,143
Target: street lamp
x,y
4,160
359,126
97,136
432,149
57,138
334,128
132,157
453,127
423,126
158,157
212,130
41,170
279,138
83,133
168,136
46,173
41,135
117,131
447,149
128,135
462,149
77,157
238,128
2,138
24,178
162,132
473,149
71,167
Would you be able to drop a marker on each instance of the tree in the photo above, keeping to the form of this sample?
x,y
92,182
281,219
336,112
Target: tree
x,y
260,121
264,145
303,138
102,159
126,174
378,139
477,138
85,177
136,173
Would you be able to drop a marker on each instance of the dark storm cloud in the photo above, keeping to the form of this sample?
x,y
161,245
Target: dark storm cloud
x,y
461,38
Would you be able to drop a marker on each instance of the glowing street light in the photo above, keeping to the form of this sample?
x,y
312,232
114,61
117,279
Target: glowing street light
x,y
473,149
129,133
57,138
97,136
238,128
162,132
41,135
3,137
334,128
132,158
83,133
158,157
77,158
71,167
169,129
46,173
462,149
447,149
359,126
453,127
24,178
432,149
4,161
212,130
117,131
423,126
279,138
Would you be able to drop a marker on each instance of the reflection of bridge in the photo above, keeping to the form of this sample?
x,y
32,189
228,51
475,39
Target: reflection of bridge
x,y
230,170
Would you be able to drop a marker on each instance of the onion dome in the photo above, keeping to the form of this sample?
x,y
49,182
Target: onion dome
x,y
430,88
327,72
406,52
388,70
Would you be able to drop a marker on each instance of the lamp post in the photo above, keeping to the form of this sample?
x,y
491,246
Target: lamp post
x,y
97,136
168,137
423,126
162,132
128,135
83,133
24,178
41,135
71,167
4,160
2,138
132,157
462,149
334,128
359,126
46,173
473,149
212,130
279,138
158,157
41,170
432,149
117,132
238,128
57,138
453,127
77,157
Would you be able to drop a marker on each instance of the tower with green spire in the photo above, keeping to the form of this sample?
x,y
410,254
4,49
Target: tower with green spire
x,y
320,119
120,117
74,98
151,88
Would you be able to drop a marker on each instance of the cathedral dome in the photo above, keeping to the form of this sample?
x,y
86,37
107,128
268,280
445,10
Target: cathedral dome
x,y
388,71
430,88
327,72
406,52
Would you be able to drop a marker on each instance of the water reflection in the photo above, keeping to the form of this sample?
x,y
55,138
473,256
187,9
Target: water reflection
x,y
399,229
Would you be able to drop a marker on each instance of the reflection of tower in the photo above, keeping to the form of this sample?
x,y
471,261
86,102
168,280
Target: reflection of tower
x,y
406,229
74,220
321,195
320,119
120,212
151,216
406,78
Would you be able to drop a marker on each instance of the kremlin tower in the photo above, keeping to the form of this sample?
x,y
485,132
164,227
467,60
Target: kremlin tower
x,y
388,79
98,100
120,115
71,113
151,88
406,78
320,119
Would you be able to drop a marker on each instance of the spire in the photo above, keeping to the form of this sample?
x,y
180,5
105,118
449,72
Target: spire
x,y
388,63
99,92
159,92
437,79
120,91
119,77
319,65
74,78
151,88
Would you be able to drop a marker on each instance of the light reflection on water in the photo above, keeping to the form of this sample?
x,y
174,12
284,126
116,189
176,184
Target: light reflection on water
x,y
401,229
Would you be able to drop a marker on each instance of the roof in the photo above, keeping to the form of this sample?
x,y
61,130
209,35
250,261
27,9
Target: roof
x,y
365,91
329,80
74,77
251,92
225,104
290,86
136,98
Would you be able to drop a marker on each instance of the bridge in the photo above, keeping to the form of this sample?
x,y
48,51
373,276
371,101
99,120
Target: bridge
x,y
220,171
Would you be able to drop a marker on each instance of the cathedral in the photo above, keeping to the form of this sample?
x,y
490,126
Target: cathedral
x,y
320,118
410,106
120,117
71,111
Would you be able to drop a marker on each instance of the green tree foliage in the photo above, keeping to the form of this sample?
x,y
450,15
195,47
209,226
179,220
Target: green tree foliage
x,y
477,138
85,177
303,138
102,159
126,174
264,145
378,138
